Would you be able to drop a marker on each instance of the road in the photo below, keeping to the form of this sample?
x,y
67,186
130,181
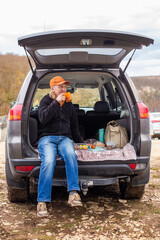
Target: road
x,y
104,214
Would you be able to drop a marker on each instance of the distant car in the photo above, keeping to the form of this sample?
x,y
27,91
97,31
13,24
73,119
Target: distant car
x,y
155,124
101,92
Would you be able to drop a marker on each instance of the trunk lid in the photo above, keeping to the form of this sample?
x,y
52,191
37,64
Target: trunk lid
x,y
81,47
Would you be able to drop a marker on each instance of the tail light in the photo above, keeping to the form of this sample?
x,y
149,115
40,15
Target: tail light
x,y
155,121
138,166
143,111
133,166
24,168
15,113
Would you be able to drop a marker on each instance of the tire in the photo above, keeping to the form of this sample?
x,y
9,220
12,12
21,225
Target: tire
x,y
17,195
129,192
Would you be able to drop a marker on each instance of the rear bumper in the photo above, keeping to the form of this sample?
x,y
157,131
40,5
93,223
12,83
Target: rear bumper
x,y
85,182
102,169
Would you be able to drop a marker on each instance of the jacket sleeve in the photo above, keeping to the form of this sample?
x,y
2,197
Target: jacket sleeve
x,y
47,110
75,128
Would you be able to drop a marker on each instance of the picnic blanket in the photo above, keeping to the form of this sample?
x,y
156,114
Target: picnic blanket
x,y
125,153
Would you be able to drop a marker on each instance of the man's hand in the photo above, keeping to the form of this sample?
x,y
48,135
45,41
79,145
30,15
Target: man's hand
x,y
61,98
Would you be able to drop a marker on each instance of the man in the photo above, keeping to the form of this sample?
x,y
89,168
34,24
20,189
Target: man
x,y
58,126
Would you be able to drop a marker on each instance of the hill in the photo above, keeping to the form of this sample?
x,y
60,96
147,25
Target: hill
x,y
149,90
14,68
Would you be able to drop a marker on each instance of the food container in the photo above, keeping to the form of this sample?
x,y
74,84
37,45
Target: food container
x,y
110,145
80,146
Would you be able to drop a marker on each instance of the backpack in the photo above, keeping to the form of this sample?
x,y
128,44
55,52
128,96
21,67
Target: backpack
x,y
116,134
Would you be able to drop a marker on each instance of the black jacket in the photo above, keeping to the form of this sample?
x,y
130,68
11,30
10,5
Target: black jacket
x,y
56,120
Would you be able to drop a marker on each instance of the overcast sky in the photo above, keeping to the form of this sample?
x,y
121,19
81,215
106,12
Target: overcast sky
x,y
19,18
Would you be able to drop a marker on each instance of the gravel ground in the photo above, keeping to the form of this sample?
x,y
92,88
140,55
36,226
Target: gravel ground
x,y
104,214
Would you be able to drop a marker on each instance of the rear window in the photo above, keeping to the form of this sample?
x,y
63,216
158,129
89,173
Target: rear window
x,y
86,89
155,115
60,51
84,97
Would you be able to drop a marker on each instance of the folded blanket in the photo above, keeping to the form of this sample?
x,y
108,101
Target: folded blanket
x,y
125,153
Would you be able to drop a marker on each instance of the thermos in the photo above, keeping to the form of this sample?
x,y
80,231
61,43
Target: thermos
x,y
101,135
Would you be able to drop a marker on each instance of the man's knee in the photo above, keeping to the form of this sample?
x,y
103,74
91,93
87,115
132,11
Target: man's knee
x,y
70,153
48,162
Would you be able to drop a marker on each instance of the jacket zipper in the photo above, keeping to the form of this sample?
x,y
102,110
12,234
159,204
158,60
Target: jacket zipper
x,y
60,123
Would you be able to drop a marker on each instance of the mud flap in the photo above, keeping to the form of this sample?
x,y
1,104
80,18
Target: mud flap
x,y
141,179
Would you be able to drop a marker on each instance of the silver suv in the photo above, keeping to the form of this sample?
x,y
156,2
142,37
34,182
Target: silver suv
x,y
90,60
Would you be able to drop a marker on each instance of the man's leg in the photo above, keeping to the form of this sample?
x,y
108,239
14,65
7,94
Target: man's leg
x,y
47,148
67,152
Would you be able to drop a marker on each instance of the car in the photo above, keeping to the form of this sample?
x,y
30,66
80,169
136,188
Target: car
x,y
90,60
154,124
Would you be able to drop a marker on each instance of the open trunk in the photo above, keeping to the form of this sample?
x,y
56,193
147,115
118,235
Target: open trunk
x,y
98,98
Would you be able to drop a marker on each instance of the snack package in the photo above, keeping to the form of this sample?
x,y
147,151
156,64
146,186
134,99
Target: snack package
x,y
99,144
80,146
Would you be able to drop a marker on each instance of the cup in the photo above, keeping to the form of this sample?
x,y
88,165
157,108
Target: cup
x,y
110,145
68,97
101,135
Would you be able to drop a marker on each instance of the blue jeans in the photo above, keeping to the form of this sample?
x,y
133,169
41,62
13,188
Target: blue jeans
x,y
48,148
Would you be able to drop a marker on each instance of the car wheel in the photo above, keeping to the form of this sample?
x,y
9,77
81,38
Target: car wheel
x,y
17,195
130,192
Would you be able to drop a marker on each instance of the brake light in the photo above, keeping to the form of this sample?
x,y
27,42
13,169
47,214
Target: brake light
x,y
133,166
138,166
16,113
143,111
24,168
155,121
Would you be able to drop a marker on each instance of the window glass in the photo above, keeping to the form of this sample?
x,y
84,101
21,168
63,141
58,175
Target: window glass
x,y
40,93
155,115
111,95
85,97
59,51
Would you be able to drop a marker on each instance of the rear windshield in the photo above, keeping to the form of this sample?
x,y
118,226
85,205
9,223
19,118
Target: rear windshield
x,y
84,97
59,51
155,115
86,89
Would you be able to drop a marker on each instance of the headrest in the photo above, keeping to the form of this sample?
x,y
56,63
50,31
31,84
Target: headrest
x,y
76,106
101,106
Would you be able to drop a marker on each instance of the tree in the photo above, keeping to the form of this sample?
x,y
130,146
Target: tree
x,y
13,70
